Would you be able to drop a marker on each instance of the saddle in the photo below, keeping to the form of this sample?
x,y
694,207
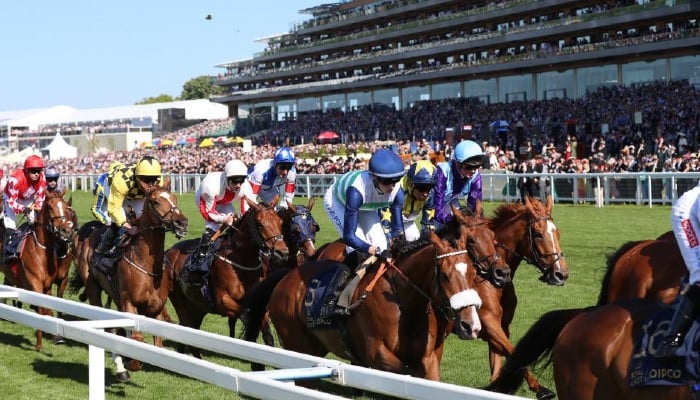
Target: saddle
x,y
15,243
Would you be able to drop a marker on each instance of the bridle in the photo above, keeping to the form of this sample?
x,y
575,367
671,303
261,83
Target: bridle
x,y
165,221
489,259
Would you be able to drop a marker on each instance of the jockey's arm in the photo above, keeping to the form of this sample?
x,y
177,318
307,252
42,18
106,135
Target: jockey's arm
x,y
352,209
396,216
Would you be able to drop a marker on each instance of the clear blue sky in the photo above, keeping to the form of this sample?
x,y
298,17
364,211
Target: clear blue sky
x,y
91,54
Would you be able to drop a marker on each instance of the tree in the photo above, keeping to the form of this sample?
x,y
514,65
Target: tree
x,y
199,88
161,98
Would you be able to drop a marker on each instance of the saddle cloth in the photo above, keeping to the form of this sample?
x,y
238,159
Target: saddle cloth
x,y
647,370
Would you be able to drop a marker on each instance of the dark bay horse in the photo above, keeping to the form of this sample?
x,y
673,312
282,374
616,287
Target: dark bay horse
x,y
523,232
405,313
42,251
648,269
137,284
299,227
590,351
239,263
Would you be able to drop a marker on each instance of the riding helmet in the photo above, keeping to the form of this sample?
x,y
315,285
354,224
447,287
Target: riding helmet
x,y
34,161
386,164
148,166
470,153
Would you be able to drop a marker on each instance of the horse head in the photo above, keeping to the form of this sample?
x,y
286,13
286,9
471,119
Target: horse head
x,y
454,279
545,247
264,227
300,228
481,243
160,210
58,218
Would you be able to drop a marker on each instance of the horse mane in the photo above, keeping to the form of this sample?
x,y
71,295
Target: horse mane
x,y
610,268
403,248
505,213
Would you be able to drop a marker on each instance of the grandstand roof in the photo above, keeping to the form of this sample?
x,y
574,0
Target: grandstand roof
x,y
33,118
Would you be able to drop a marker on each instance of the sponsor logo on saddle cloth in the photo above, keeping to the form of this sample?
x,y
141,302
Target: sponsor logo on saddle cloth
x,y
648,370
690,233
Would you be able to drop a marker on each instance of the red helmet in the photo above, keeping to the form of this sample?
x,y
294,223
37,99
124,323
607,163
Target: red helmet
x,y
34,161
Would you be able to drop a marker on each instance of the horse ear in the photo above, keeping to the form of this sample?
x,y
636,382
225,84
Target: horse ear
x,y
275,200
291,206
528,202
437,242
70,200
312,199
457,213
252,204
548,204
166,183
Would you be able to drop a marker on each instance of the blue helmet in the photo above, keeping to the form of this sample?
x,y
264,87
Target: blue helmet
x,y
52,172
469,152
386,164
284,155
422,172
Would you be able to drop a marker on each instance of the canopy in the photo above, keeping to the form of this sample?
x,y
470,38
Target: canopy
x,y
59,148
327,135
500,125
207,142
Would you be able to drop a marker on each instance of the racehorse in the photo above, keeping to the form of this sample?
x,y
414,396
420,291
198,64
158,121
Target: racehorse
x,y
523,232
649,269
590,351
42,252
239,263
65,251
299,227
137,283
404,309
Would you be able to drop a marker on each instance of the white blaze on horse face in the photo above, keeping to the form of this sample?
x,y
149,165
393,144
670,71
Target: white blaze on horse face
x,y
167,196
551,228
462,268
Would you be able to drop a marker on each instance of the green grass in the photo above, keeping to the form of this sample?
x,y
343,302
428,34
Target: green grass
x,y
588,235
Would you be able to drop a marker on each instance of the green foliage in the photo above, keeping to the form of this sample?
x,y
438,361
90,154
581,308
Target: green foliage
x,y
199,88
161,98
588,234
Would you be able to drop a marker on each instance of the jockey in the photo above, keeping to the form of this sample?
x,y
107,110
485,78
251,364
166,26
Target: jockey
x,y
459,178
214,199
365,206
685,219
100,192
52,175
25,192
418,185
270,177
127,185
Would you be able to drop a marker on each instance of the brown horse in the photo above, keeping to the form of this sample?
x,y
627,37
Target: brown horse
x,y
137,283
43,249
238,264
403,312
299,227
523,232
590,351
64,250
648,269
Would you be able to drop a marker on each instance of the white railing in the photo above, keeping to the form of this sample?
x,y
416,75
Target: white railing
x,y
264,385
641,188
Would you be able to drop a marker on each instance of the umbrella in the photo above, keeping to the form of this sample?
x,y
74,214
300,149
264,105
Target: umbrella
x,y
166,143
207,142
500,125
238,139
327,135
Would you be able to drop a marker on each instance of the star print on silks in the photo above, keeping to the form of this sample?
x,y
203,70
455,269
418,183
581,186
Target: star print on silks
x,y
385,218
430,214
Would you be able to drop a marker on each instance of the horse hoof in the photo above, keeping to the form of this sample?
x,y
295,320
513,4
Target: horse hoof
x,y
59,340
133,365
123,377
257,367
545,394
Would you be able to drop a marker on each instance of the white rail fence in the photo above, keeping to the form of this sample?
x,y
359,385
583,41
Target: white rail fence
x,y
274,384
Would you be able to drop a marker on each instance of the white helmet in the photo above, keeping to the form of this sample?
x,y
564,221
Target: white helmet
x,y
235,168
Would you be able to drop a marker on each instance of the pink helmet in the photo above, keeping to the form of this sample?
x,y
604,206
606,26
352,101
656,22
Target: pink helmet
x,y
34,161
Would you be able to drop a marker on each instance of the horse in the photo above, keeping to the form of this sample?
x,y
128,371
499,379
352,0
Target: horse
x,y
590,351
137,284
65,250
238,264
403,309
649,269
523,232
42,252
299,228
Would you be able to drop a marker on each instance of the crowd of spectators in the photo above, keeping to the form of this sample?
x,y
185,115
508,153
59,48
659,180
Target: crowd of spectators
x,y
651,127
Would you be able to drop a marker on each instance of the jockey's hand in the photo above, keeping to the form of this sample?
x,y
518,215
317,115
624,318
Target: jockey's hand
x,y
128,229
230,219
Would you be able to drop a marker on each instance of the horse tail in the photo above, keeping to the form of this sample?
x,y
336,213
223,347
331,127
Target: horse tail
x,y
611,261
76,282
535,345
255,303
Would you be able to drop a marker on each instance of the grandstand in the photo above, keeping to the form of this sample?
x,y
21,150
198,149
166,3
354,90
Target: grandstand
x,y
360,53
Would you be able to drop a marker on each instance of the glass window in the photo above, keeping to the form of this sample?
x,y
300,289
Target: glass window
x,y
590,79
334,102
451,90
309,104
359,99
515,88
685,68
413,94
555,85
286,110
643,72
388,97
483,89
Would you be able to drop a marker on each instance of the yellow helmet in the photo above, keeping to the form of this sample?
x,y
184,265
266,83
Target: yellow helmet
x,y
148,166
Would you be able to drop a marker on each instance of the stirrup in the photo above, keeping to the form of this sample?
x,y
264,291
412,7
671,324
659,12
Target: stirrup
x,y
341,311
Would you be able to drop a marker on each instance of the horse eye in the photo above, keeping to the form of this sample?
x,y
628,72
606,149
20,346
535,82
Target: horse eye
x,y
443,276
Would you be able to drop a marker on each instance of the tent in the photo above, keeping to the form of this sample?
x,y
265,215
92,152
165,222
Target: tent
x,y
59,148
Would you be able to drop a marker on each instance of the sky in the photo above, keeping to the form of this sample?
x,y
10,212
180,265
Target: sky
x,y
93,54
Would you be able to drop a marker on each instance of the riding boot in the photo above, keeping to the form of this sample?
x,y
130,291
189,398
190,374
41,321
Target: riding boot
x,y
107,242
9,248
681,321
204,243
353,261
198,268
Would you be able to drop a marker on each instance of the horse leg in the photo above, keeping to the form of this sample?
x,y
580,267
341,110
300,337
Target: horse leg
x,y
122,374
266,331
162,316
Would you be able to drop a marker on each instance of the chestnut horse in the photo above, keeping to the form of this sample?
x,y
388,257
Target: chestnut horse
x,y
523,232
43,251
137,283
590,351
238,264
404,309
648,269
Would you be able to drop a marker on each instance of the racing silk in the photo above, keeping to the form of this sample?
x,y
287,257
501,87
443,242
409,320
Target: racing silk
x,y
413,207
452,185
264,182
356,191
99,205
20,192
122,186
211,193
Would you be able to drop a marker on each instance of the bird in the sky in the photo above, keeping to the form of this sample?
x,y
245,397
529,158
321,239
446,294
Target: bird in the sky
x,y
208,17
